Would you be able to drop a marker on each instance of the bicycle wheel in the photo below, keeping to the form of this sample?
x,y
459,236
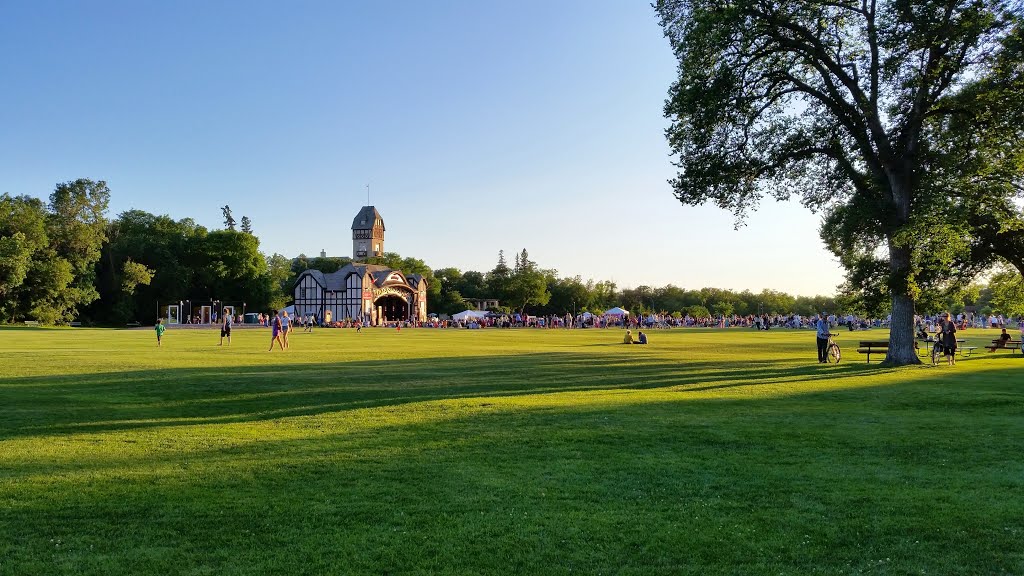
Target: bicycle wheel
x,y
834,354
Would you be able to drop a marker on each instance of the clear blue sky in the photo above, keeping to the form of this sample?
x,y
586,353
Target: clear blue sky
x,y
479,125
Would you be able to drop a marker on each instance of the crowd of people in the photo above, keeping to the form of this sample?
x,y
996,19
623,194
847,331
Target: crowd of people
x,y
940,328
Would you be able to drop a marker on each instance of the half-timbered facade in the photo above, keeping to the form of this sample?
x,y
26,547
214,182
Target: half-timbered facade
x,y
364,292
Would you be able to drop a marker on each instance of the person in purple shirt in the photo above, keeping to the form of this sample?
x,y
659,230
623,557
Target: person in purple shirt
x,y
275,333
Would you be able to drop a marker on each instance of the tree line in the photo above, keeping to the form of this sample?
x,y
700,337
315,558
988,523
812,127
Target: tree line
x,y
525,287
63,260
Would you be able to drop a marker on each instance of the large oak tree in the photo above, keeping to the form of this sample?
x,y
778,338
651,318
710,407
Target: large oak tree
x,y
859,107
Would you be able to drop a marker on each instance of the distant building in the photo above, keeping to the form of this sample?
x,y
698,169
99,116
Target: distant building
x,y
367,233
364,292
483,304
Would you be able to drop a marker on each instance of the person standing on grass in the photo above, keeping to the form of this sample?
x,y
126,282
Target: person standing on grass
x,y
286,327
822,329
225,330
947,335
275,332
160,328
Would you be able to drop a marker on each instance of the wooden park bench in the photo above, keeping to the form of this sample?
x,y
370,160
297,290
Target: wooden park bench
x,y
1011,345
33,323
133,324
76,324
870,347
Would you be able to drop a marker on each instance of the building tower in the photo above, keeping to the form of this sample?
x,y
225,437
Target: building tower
x,y
367,234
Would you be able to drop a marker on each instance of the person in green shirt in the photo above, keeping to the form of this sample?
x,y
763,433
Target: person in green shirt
x,y
160,328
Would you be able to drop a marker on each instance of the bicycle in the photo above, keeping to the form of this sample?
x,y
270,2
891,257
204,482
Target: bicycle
x,y
832,352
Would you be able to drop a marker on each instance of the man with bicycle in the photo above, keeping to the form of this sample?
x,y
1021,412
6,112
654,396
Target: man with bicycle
x,y
822,329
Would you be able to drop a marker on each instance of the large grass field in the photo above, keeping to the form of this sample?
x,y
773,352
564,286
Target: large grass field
x,y
502,452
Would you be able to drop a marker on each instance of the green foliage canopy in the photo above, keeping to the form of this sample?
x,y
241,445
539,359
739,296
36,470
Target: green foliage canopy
x,y
847,104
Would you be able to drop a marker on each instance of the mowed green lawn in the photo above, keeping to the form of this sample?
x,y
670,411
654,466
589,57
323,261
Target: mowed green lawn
x,y
502,452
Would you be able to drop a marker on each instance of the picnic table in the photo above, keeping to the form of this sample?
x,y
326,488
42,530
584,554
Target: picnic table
x,y
1011,345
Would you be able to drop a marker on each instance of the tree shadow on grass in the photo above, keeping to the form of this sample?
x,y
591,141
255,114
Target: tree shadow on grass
x,y
179,396
643,488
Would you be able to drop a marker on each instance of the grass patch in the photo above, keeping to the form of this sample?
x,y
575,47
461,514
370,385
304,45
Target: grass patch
x,y
496,452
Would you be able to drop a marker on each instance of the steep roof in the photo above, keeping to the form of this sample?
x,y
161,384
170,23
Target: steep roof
x,y
366,217
316,274
335,281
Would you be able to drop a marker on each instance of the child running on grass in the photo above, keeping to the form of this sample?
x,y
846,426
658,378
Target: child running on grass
x,y
160,328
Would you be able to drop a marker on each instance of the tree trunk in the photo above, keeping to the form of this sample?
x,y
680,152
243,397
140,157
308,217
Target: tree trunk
x,y
901,328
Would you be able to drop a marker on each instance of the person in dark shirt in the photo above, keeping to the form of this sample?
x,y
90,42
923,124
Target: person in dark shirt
x,y
225,330
947,334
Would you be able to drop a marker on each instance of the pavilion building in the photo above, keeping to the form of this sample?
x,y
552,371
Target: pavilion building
x,y
363,292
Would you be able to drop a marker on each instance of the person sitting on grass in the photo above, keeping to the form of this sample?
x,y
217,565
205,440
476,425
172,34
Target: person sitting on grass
x,y
641,338
628,339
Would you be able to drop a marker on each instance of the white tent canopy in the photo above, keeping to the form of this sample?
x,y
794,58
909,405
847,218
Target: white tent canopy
x,y
616,312
466,314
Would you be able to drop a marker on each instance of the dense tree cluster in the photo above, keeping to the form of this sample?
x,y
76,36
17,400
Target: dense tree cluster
x,y
48,252
183,261
65,260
